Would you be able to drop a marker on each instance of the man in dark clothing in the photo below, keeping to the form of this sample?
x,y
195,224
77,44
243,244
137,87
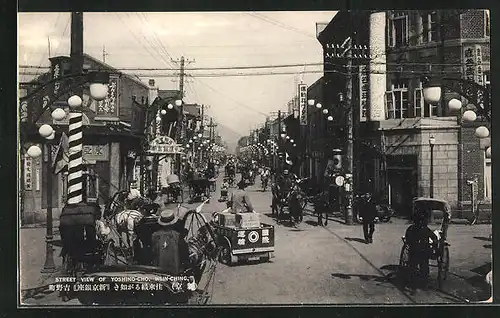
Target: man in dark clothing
x,y
418,237
368,213
170,250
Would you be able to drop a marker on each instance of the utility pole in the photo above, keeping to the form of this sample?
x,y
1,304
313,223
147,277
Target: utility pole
x,y
182,66
104,54
278,163
48,42
350,126
202,128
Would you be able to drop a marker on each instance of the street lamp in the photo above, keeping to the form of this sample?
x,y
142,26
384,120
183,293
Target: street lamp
x,y
47,132
432,141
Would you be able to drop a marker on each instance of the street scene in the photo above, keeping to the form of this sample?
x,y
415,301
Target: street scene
x,y
324,163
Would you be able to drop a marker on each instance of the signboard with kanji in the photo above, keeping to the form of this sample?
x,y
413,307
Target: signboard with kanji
x,y
303,104
364,87
164,145
108,108
472,59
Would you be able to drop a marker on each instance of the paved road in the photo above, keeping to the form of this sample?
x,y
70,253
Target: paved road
x,y
325,265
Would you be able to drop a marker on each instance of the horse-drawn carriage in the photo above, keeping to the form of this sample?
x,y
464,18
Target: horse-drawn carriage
x,y
144,282
438,249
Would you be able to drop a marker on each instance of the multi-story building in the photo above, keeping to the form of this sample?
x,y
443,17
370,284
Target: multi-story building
x,y
393,152
112,135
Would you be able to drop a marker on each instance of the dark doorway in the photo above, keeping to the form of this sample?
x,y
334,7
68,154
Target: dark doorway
x,y
403,181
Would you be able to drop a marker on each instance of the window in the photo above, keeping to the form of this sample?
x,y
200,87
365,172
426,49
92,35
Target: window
x,y
420,104
429,26
397,100
398,30
487,177
487,22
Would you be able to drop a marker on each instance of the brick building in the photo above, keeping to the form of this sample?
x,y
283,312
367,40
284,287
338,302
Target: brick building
x,y
392,154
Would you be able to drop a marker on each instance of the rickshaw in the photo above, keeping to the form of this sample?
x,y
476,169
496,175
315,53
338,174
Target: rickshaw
x,y
439,252
174,190
196,289
199,188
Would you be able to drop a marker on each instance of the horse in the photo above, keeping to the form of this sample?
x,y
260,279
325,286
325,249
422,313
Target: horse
x,y
123,219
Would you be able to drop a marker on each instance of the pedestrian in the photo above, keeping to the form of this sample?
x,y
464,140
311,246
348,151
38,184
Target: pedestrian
x,y
224,190
368,213
170,250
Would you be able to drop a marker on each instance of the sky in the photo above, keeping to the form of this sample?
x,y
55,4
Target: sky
x,y
149,40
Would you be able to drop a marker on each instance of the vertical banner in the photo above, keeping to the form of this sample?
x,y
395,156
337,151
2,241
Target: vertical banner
x,y
38,176
28,180
364,87
303,104
472,59
108,108
378,60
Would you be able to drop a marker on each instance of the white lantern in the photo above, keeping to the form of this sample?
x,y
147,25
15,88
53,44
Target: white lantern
x,y
98,91
454,104
330,118
51,136
318,106
432,95
482,132
34,151
287,137
163,112
170,106
469,115
45,130
158,119
294,145
75,101
58,114
178,102
488,152
200,135
325,111
310,102
190,141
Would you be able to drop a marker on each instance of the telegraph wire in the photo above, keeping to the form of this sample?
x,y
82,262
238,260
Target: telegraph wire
x,y
158,40
279,24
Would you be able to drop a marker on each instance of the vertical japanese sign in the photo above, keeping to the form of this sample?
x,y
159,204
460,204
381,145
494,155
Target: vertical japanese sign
x,y
473,63
364,87
303,104
108,107
28,181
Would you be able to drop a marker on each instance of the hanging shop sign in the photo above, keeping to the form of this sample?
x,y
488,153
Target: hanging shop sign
x,y
364,87
108,108
473,63
92,153
164,145
303,104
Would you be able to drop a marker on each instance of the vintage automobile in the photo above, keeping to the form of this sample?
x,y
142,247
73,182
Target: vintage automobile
x,y
255,243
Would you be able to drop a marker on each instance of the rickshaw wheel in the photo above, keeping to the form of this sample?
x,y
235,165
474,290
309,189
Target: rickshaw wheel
x,y
443,266
110,255
404,258
225,255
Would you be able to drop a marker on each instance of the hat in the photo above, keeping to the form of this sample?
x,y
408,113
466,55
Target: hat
x,y
167,217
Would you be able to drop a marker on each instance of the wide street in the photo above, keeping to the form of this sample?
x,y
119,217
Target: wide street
x,y
316,265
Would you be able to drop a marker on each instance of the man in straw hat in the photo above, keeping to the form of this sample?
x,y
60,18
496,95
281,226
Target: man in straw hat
x,y
170,250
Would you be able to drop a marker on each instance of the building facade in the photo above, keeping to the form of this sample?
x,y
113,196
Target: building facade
x,y
393,128
112,134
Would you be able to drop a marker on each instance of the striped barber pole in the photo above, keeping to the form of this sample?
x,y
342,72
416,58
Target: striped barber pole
x,y
75,178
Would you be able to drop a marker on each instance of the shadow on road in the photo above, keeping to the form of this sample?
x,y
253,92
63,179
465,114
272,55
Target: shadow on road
x,y
355,239
313,223
481,238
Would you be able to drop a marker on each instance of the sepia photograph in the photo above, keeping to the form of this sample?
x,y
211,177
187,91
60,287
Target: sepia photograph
x,y
254,158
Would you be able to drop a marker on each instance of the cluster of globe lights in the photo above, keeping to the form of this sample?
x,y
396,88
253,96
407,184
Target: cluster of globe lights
x,y
319,106
257,151
432,95
98,92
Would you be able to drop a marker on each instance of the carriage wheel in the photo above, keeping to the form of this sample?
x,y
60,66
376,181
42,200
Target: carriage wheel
x,y
443,266
197,227
404,259
110,255
225,254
